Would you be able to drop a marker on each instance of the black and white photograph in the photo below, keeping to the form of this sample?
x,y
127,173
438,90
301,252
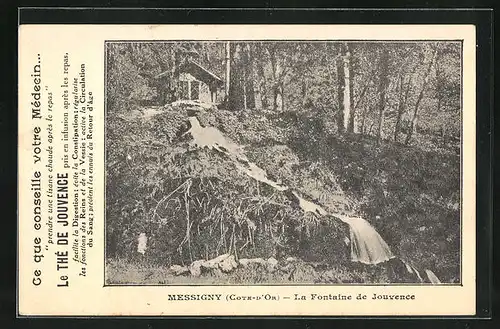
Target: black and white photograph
x,y
283,162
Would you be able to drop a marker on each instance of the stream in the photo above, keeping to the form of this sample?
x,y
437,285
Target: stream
x,y
367,246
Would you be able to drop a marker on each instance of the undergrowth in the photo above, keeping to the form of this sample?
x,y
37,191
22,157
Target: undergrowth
x,y
194,204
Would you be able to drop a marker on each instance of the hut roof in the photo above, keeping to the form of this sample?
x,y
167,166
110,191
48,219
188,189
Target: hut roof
x,y
198,71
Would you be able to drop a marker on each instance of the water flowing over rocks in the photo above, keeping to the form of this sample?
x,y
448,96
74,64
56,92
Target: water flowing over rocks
x,y
367,246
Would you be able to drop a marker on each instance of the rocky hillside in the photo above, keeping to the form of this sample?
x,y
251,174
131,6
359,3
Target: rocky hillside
x,y
203,194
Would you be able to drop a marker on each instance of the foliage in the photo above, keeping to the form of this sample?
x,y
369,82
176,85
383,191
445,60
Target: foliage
x,y
411,196
288,76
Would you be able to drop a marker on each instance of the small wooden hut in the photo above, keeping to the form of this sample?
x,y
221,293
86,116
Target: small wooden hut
x,y
196,83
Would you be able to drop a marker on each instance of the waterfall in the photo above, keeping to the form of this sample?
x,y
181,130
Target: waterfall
x,y
367,246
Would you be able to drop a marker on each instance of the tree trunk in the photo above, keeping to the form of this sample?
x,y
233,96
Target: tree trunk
x,y
228,70
352,117
277,70
347,88
275,98
282,90
400,108
363,120
257,97
236,77
249,77
356,106
278,98
173,92
263,86
371,127
272,57
282,96
244,89
340,93
383,81
402,103
263,97
439,90
257,75
413,123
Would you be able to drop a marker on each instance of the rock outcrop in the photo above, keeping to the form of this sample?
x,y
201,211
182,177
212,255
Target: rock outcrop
x,y
179,270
